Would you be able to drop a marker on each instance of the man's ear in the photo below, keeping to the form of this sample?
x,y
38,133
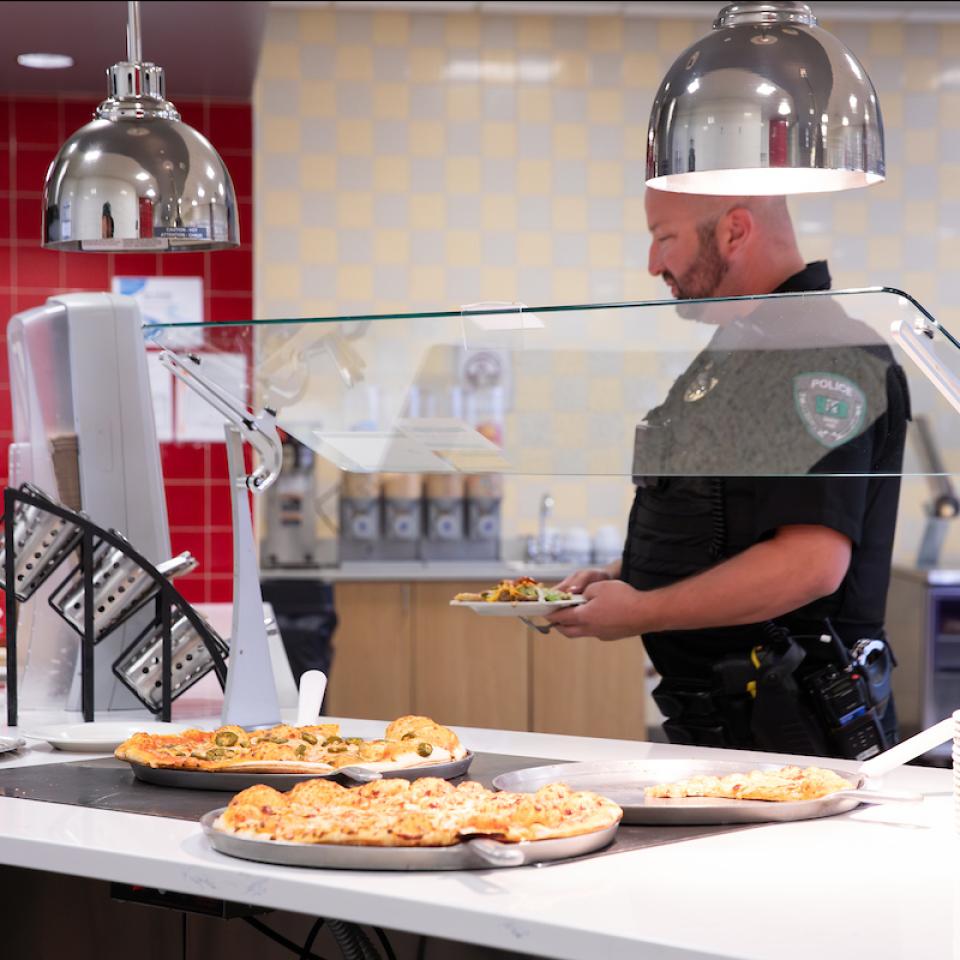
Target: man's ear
x,y
734,231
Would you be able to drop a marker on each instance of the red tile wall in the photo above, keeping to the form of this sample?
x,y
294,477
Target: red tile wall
x,y
31,131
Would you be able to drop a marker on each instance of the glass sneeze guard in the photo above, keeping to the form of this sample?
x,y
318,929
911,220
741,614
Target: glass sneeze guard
x,y
780,385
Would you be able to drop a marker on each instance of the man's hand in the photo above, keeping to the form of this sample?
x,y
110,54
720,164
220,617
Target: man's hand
x,y
613,610
798,565
578,581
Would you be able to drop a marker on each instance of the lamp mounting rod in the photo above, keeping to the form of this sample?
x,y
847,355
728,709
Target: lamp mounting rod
x,y
134,47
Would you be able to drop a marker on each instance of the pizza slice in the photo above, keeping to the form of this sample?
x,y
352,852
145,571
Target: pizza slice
x,y
319,749
426,812
784,785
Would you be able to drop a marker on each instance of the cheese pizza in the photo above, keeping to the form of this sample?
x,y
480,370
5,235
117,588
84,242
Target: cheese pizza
x,y
787,784
428,812
407,742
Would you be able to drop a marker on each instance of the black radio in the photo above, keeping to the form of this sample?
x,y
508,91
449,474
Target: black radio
x,y
841,699
810,696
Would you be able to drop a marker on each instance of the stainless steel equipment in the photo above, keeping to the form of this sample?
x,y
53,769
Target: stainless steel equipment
x,y
402,517
251,696
42,541
239,780
360,516
78,369
290,515
120,586
481,853
923,623
624,781
484,496
140,666
443,535
766,104
137,177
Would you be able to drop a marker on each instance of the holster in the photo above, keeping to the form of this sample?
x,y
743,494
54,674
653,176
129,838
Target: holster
x,y
776,699
697,716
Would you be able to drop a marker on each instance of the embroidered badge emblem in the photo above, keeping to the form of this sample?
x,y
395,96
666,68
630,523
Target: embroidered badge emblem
x,y
832,407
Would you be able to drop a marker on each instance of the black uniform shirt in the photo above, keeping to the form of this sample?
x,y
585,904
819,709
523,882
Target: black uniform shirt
x,y
795,388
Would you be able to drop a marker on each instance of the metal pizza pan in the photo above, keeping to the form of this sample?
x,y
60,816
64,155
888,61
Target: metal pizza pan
x,y
234,780
473,854
623,781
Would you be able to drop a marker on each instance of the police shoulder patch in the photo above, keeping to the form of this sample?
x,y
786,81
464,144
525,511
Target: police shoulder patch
x,y
832,407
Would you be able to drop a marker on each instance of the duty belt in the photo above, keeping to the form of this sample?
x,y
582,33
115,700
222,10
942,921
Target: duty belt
x,y
806,695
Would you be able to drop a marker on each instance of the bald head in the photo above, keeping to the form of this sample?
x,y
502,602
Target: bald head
x,y
705,246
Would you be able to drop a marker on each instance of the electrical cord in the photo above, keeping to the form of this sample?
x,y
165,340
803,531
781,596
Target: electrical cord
x,y
279,938
351,940
718,517
308,943
366,947
385,943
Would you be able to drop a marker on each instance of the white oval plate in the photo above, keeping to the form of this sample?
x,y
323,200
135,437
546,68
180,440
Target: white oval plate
x,y
101,736
517,608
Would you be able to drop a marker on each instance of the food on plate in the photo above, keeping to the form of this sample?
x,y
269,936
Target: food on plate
x,y
408,742
521,590
428,812
783,785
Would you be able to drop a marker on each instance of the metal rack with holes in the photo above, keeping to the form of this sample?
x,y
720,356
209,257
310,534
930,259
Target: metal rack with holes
x,y
41,536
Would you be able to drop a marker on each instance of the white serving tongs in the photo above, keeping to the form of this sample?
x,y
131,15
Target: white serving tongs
x,y
313,685
909,749
896,756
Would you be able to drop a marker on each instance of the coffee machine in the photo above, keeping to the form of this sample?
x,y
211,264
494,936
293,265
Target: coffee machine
x,y
290,514
443,500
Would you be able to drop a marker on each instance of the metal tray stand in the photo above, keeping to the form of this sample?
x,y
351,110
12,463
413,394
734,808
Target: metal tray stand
x,y
623,781
480,853
233,781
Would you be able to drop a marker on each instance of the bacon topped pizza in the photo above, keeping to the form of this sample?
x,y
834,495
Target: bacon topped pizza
x,y
408,742
787,784
427,812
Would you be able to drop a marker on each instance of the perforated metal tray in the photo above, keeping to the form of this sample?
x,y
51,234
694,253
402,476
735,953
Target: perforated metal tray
x,y
623,781
474,854
239,780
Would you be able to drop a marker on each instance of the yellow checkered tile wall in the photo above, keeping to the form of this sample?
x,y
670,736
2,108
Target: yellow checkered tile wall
x,y
412,160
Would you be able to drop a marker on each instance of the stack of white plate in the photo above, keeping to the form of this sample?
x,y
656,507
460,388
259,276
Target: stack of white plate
x,y
956,770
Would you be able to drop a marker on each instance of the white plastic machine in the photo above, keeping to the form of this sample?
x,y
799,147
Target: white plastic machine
x,y
78,369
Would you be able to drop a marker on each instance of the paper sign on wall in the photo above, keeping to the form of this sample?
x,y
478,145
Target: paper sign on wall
x,y
196,419
165,300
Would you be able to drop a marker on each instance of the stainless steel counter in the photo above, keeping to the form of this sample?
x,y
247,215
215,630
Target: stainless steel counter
x,y
452,570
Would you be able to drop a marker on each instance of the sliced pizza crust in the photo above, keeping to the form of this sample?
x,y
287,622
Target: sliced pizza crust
x,y
425,812
784,785
318,749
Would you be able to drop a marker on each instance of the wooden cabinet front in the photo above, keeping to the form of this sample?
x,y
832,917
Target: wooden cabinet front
x,y
468,669
401,648
588,687
371,676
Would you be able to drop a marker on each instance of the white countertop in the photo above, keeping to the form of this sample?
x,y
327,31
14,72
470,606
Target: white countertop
x,y
881,882
486,571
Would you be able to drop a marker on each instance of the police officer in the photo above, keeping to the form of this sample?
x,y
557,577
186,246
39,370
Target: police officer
x,y
714,566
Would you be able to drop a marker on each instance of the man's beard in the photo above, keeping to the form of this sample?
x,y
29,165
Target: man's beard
x,y
704,276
